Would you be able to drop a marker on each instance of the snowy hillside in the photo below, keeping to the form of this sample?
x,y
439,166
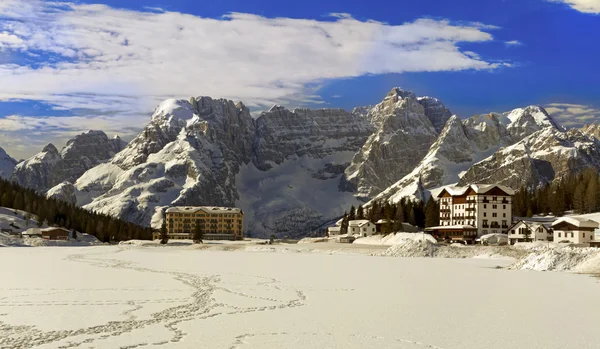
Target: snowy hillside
x,y
7,164
15,222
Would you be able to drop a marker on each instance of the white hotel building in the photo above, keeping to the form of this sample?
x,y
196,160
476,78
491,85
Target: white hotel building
x,y
470,212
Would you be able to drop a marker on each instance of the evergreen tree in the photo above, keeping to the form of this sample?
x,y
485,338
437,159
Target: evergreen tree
x,y
388,215
344,225
352,214
592,195
74,234
579,198
558,201
360,213
164,235
198,234
432,213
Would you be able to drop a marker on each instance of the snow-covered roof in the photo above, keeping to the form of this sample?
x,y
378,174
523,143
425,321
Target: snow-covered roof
x,y
336,228
358,222
578,222
381,221
207,209
453,227
477,188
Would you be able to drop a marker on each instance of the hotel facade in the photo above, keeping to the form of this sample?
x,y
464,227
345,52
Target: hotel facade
x,y
467,213
216,223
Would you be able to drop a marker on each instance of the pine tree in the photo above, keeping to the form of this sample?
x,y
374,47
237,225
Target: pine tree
x,y
579,198
74,234
432,213
198,234
360,213
558,201
164,235
592,195
344,225
352,214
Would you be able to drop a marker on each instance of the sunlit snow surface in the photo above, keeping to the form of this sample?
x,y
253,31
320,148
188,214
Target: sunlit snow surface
x,y
294,296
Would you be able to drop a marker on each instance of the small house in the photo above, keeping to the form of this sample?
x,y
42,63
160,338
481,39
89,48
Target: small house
x,y
574,230
54,233
529,231
335,230
361,227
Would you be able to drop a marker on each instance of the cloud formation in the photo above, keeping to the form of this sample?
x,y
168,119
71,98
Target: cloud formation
x,y
573,115
108,60
586,6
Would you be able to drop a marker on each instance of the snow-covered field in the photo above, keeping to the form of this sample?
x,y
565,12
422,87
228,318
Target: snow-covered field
x,y
255,296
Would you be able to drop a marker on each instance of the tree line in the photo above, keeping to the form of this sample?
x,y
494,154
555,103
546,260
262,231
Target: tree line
x,y
60,213
394,214
578,192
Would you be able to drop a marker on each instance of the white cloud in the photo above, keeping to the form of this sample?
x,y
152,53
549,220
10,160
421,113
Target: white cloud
x,y
574,115
513,43
124,61
586,6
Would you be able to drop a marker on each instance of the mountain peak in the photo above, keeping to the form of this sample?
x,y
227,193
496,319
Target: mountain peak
x,y
399,92
50,148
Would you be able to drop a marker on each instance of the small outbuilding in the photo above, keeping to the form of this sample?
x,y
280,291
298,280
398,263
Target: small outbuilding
x,y
54,233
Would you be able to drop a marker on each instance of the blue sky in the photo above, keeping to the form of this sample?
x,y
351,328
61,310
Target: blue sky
x,y
68,67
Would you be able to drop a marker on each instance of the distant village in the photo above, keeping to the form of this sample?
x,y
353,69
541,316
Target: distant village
x,y
480,214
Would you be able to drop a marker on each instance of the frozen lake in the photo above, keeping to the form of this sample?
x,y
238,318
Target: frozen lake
x,y
176,297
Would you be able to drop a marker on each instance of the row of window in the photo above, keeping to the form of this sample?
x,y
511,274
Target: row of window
x,y
229,215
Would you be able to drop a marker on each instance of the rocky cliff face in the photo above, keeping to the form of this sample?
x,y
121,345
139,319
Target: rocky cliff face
x,y
538,159
461,144
591,130
7,164
51,167
405,128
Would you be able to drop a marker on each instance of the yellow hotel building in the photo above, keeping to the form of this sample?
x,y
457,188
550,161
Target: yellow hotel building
x,y
217,223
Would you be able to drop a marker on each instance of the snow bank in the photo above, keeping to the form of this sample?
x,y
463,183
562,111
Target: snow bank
x,y
82,240
394,239
411,248
583,260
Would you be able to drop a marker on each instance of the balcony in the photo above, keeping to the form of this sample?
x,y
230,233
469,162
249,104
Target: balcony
x,y
486,201
485,226
444,210
504,201
468,209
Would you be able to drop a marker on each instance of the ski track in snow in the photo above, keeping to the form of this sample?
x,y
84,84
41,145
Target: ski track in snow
x,y
202,305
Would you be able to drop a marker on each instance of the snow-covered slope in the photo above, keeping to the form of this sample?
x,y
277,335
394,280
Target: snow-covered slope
x,y
7,164
51,167
405,128
464,143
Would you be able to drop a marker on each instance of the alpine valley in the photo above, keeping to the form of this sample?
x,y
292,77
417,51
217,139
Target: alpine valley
x,y
292,171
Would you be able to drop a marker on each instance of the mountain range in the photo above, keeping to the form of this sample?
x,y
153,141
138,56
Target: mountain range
x,y
292,170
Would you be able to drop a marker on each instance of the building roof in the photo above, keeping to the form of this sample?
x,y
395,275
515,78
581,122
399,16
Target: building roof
x,y
452,227
358,222
477,188
578,222
335,228
207,209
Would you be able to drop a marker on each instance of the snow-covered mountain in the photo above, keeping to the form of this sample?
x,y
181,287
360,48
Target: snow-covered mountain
x,y
405,127
51,167
283,168
540,158
7,164
461,144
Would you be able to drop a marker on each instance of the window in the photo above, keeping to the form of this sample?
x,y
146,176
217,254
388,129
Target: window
x,y
572,235
494,206
494,214
485,214
484,206
504,215
559,234
504,207
584,235
495,198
